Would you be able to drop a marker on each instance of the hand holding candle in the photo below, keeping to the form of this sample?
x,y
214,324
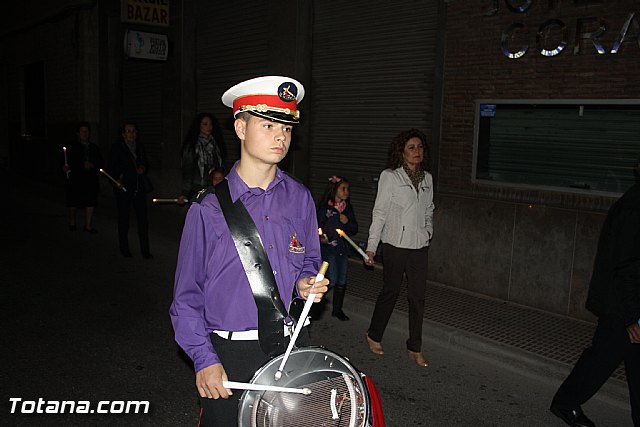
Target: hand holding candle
x,y
323,237
352,243
117,184
301,321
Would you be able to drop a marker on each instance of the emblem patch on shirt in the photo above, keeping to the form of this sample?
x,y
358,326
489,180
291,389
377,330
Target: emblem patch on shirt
x,y
295,247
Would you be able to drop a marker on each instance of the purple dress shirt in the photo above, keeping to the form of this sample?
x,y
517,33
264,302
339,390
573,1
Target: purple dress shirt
x,y
211,288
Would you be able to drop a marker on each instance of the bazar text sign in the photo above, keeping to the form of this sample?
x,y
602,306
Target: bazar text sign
x,y
147,12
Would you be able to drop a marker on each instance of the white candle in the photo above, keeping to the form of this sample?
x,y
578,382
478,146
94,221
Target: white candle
x,y
352,243
120,186
66,163
165,200
261,387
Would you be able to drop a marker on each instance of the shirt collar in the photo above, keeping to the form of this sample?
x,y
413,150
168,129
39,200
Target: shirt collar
x,y
237,187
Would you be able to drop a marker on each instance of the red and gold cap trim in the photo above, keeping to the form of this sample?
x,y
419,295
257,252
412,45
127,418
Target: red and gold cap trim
x,y
265,103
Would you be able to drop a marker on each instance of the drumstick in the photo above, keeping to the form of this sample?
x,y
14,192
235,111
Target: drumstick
x,y
261,387
303,318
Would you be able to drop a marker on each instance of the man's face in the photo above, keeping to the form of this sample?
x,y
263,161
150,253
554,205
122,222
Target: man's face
x,y
130,133
263,141
83,133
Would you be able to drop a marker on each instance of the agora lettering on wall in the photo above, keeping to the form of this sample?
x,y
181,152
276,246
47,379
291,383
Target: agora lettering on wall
x,y
552,36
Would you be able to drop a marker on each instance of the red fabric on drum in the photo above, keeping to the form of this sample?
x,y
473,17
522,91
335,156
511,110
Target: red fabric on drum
x,y
376,403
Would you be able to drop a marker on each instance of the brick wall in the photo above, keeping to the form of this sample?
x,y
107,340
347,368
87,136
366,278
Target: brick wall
x,y
476,68
527,246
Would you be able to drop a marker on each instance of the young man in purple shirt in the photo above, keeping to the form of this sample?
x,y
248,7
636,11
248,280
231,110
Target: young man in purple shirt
x,y
214,313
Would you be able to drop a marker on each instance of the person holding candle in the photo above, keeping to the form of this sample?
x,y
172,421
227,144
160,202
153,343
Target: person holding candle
x,y
82,160
402,220
215,312
129,166
336,213
203,151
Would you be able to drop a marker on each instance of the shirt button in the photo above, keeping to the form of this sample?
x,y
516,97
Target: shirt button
x,y
270,246
275,272
266,217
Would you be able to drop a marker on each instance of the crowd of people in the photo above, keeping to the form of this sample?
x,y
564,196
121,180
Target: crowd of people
x,y
127,168
233,291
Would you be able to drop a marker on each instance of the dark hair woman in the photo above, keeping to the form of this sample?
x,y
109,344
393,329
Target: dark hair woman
x,y
202,151
402,220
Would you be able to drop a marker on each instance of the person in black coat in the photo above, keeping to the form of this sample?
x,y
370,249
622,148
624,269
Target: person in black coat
x,y
614,296
202,152
128,165
82,161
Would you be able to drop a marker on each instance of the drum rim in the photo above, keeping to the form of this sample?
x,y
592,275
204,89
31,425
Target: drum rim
x,y
359,376
314,349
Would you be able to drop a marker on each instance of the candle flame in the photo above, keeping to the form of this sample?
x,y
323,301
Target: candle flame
x,y
340,232
64,148
320,231
154,200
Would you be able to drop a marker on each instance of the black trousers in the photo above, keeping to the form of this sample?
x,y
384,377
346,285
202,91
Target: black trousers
x,y
138,202
397,263
609,347
241,360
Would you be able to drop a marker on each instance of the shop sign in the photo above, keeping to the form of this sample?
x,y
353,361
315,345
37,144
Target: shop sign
x,y
146,12
138,44
487,110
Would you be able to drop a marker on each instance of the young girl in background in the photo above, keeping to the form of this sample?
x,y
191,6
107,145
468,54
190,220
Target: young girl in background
x,y
335,212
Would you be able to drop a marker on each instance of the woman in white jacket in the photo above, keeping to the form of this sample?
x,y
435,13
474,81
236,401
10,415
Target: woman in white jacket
x,y
403,221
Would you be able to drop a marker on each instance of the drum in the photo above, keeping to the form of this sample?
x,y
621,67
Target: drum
x,y
338,398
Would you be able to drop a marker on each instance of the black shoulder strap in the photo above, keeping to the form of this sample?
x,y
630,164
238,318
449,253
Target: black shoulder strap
x,y
271,311
200,195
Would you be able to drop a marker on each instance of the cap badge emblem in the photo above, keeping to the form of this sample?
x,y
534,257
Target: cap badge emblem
x,y
288,91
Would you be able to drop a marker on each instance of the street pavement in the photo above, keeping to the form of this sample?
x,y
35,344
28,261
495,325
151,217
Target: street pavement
x,y
83,323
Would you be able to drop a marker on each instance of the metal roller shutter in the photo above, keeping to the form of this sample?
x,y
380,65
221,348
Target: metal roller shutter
x,y
585,147
228,53
142,104
373,75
